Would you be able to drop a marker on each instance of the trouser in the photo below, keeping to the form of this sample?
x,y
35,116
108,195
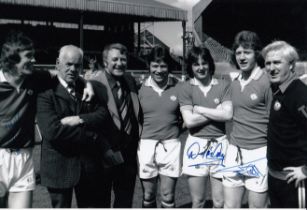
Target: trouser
x,y
122,179
86,197
282,194
88,190
60,198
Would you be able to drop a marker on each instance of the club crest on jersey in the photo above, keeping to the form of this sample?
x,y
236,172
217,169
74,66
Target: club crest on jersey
x,y
216,101
173,98
30,92
253,96
277,106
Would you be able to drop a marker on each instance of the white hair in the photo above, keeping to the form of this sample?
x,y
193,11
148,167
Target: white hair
x,y
66,48
287,50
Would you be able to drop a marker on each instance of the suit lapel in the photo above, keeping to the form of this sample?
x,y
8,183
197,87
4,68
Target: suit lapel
x,y
62,94
135,101
79,93
134,96
111,102
136,105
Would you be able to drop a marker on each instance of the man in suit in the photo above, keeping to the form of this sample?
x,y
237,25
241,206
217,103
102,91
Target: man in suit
x,y
124,108
71,144
20,82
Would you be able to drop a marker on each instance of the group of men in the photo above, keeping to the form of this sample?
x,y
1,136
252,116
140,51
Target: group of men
x,y
91,130
268,136
88,143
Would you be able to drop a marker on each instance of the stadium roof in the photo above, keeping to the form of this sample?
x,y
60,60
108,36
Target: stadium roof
x,y
199,8
147,10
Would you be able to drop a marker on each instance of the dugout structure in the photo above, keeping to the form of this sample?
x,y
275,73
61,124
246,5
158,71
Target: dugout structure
x,y
90,24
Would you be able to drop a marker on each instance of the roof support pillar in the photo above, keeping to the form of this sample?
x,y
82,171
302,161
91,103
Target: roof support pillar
x,y
183,75
139,39
81,30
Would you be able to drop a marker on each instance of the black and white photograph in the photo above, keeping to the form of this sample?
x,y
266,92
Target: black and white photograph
x,y
153,104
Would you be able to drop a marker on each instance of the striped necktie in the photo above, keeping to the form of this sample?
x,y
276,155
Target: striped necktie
x,y
72,92
124,107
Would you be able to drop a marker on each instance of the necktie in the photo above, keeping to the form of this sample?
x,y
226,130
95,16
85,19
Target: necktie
x,y
124,104
72,92
119,91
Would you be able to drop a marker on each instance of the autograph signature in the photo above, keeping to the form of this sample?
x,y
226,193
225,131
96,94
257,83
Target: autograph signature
x,y
247,169
213,154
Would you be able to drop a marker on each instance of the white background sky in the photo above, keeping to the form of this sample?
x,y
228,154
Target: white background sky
x,y
170,32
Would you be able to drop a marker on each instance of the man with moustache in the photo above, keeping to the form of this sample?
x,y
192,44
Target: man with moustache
x,y
125,126
287,129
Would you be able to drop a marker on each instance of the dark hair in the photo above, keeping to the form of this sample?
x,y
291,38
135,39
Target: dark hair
x,y
193,56
122,48
91,59
15,42
248,40
158,54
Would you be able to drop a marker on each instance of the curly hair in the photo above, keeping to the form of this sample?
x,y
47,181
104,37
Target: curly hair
x,y
15,42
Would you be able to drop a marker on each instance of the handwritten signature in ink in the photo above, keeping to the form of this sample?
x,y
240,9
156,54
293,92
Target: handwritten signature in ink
x,y
247,169
212,155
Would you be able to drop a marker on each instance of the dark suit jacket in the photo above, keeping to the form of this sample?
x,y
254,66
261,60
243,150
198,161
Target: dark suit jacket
x,y
64,146
105,94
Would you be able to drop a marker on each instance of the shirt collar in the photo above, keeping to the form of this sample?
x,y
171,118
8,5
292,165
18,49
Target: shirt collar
x,y
111,80
255,75
150,83
2,77
283,86
196,82
63,83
